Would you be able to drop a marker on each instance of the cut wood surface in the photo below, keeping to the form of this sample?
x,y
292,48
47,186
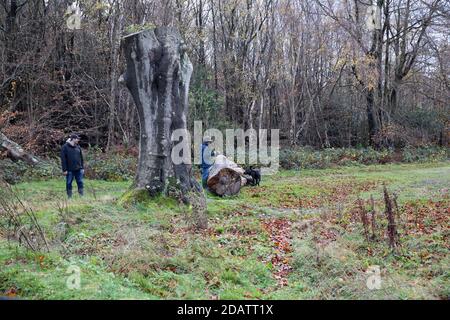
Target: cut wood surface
x,y
225,177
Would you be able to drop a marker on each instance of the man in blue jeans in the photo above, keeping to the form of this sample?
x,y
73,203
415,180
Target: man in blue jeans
x,y
72,164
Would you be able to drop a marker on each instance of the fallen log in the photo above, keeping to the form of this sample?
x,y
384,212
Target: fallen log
x,y
15,151
225,177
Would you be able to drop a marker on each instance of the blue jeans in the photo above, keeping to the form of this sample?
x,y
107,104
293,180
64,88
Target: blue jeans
x,y
78,175
205,174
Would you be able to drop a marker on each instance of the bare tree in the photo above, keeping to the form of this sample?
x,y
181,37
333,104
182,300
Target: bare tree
x,y
158,75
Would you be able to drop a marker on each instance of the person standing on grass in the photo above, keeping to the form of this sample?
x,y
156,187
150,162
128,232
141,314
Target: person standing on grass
x,y
72,164
207,160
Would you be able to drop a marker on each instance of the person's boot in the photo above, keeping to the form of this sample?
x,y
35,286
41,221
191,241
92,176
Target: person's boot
x,y
69,194
81,192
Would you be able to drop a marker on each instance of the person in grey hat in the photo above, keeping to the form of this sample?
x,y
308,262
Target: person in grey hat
x,y
72,164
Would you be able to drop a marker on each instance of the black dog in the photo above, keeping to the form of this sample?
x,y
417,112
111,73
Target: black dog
x,y
255,174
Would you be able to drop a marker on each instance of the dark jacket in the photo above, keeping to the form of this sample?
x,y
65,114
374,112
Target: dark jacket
x,y
71,158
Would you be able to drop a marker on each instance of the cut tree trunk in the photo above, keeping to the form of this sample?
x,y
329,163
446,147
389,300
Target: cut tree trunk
x,y
157,74
15,151
225,177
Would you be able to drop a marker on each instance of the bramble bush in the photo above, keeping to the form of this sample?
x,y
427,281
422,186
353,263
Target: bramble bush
x,y
17,171
308,158
121,166
115,166
424,154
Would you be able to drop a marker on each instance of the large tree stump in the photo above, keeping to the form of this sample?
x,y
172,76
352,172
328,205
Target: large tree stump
x,y
157,74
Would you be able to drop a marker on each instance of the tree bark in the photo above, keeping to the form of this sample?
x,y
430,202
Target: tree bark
x,y
158,73
15,151
116,29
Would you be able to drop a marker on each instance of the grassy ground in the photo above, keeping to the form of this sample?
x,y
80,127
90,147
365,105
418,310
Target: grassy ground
x,y
297,236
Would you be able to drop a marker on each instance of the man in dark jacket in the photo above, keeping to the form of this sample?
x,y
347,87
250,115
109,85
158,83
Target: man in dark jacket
x,y
72,164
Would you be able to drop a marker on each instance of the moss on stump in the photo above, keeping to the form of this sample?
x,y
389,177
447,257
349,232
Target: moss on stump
x,y
134,196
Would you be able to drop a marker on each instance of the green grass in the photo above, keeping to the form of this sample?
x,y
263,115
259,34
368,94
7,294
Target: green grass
x,y
147,251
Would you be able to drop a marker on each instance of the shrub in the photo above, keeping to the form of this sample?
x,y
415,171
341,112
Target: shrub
x,y
116,166
308,158
12,172
110,167
424,154
17,171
